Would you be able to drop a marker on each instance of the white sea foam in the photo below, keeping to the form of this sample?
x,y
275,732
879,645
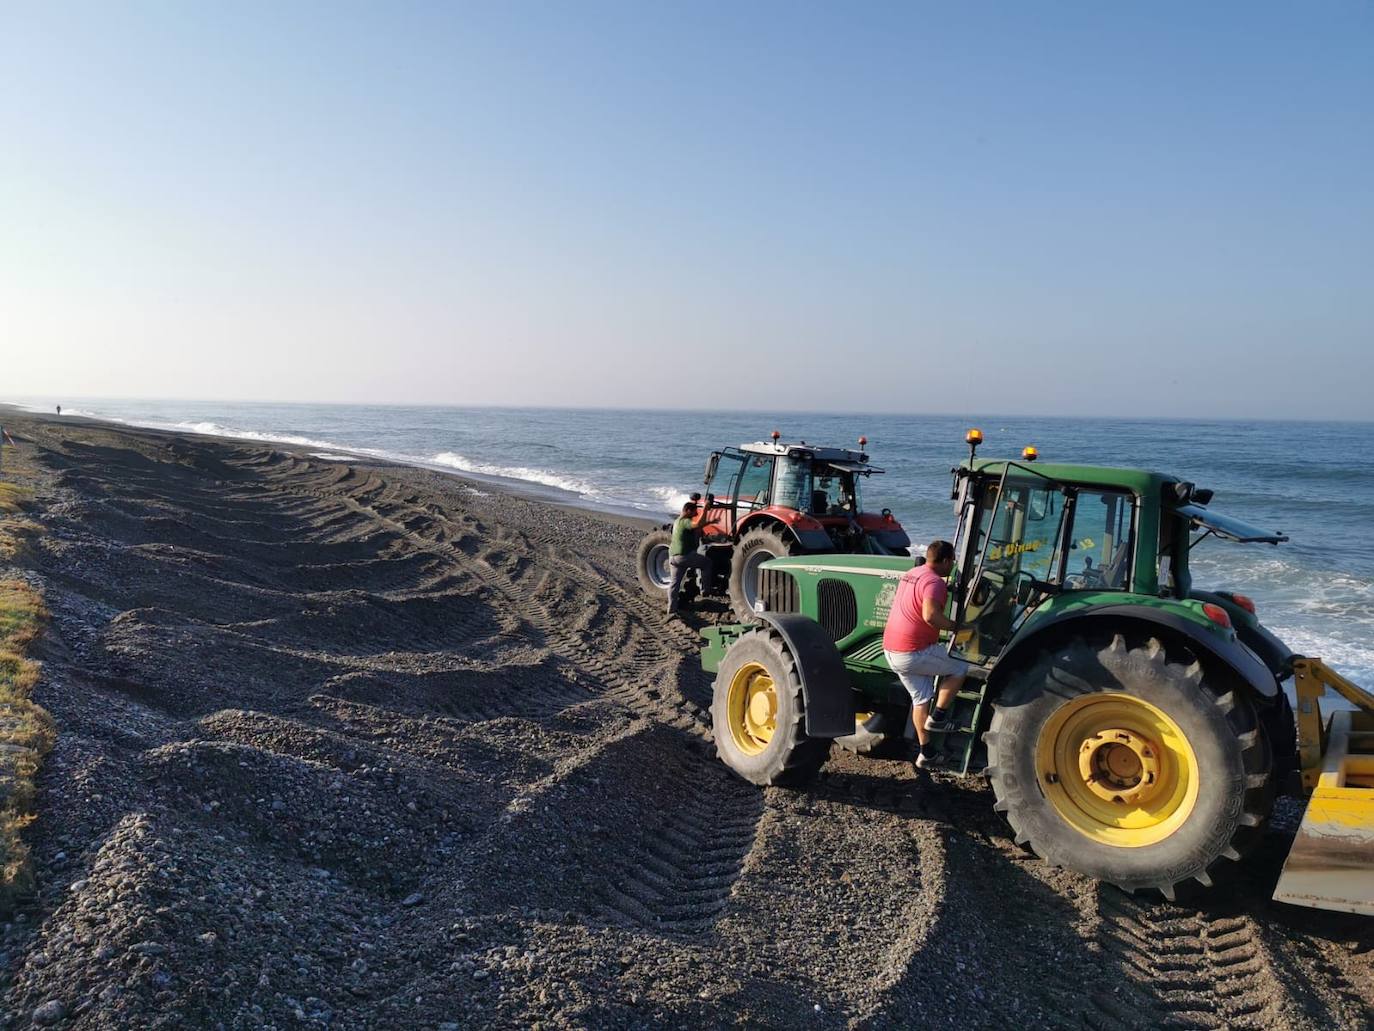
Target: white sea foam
x,y
1314,611
516,472
214,429
330,456
669,499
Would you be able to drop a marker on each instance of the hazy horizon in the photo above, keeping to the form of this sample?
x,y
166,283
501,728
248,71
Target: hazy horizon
x,y
1079,211
40,404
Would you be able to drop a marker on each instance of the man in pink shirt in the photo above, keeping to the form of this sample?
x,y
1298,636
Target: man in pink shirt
x,y
911,641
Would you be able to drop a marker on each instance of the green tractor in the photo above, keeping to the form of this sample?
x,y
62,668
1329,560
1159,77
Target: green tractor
x,y
1132,725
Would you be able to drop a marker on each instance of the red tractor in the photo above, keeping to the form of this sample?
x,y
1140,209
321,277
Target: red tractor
x,y
770,499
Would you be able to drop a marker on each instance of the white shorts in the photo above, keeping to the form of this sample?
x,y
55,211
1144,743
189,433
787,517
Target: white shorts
x,y
917,670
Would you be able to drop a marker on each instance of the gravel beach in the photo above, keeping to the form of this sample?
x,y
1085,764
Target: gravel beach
x,y
346,745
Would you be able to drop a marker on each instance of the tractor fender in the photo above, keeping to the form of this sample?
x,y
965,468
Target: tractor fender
x,y
885,530
807,532
1211,649
1257,637
825,683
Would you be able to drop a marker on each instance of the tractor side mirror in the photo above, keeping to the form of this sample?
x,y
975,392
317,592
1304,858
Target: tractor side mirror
x,y
711,464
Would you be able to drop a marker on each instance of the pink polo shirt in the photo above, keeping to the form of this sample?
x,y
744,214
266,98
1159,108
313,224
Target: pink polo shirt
x,y
907,630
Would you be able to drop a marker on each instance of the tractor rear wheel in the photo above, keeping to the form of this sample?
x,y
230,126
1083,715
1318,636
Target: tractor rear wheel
x,y
758,713
754,549
651,563
1125,766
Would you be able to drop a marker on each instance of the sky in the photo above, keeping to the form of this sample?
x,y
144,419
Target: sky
x,y
1054,209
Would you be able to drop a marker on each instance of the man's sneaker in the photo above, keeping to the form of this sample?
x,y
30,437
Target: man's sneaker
x,y
933,761
944,726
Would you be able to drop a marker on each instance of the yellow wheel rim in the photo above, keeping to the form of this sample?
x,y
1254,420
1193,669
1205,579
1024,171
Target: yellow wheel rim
x,y
1117,769
752,705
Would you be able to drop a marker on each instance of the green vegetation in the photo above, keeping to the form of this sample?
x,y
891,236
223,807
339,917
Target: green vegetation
x,y
14,529
26,730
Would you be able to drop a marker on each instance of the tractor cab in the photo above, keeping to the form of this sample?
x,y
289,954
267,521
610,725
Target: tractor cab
x,y
812,490
1026,534
1030,532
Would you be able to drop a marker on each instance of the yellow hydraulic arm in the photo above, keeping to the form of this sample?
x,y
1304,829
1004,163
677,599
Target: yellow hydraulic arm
x,y
1331,864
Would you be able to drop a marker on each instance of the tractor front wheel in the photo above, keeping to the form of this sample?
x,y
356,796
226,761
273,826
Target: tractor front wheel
x,y
1128,767
754,549
887,743
758,713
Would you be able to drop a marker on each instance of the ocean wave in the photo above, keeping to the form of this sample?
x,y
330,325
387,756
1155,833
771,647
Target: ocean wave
x,y
517,472
669,499
214,429
1325,613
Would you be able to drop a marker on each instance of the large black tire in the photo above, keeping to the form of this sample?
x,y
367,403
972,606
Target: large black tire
x,y
754,548
651,563
1041,735
763,739
1281,729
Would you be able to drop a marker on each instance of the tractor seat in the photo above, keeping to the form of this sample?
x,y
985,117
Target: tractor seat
x,y
1114,575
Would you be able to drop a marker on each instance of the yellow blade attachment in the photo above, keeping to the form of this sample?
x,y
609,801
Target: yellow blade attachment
x,y
1331,863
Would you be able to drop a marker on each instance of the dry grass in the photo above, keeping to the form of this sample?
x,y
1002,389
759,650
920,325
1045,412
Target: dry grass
x,y
15,534
15,531
13,498
26,730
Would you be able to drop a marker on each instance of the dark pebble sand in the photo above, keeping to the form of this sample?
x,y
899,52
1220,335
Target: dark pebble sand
x,y
364,745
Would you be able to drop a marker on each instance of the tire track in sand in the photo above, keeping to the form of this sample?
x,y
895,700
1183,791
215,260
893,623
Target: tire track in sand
x,y
1182,969
641,660
676,875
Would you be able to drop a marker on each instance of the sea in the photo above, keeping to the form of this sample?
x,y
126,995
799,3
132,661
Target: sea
x,y
1313,481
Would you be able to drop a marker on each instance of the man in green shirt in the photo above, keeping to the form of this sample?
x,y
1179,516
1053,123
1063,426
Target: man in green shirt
x,y
682,552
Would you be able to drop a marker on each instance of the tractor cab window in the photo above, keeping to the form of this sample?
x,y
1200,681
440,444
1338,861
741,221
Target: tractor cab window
x,y
1015,547
792,485
755,482
1019,531
1101,542
832,493
727,470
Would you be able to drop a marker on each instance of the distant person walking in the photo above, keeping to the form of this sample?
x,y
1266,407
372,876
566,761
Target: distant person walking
x,y
911,641
59,409
682,552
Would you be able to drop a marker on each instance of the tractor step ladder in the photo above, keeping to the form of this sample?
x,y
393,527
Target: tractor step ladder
x,y
1331,863
964,745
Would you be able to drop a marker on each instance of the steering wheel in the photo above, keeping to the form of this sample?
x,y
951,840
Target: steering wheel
x,y
1091,575
995,589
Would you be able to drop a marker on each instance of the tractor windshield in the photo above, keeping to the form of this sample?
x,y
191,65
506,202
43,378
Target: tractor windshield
x,y
792,485
1183,527
1227,527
